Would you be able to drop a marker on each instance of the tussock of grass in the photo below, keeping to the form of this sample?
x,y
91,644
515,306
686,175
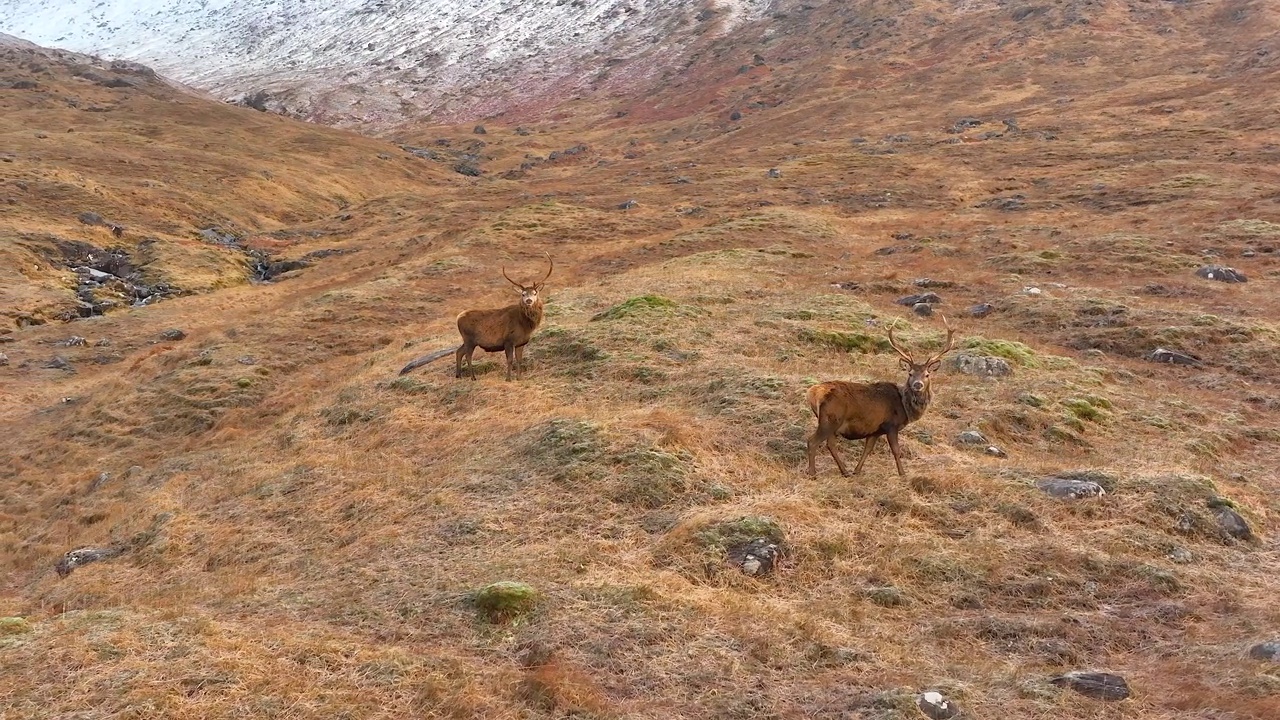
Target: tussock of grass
x,y
858,342
642,305
1011,350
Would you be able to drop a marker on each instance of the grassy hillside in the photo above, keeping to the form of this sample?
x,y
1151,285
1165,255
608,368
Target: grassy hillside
x,y
295,531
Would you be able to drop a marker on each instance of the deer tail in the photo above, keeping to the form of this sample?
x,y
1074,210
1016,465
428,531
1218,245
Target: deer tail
x,y
426,359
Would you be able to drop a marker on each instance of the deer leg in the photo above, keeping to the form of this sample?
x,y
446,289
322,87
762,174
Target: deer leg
x,y
893,445
831,446
510,353
471,366
866,450
457,360
815,441
520,362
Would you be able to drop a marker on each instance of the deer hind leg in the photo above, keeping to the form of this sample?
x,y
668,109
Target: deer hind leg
x,y
831,446
866,450
893,445
458,354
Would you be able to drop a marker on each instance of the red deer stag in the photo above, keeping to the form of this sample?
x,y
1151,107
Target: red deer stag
x,y
507,329
869,410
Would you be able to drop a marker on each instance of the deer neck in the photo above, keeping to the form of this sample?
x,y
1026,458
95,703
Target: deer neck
x,y
533,313
915,402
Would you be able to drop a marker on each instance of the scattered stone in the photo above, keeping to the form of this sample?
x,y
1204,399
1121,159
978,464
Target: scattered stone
x,y
14,626
847,285
971,437
74,341
1173,357
1097,685
173,334
995,451
887,596
935,706
980,365
99,481
479,130
1030,290
899,138
757,557
246,360
774,173
1262,651
922,309
628,204
1181,555
735,116
84,556
1232,524
931,283
91,218
981,310
928,298
468,169
505,600
217,237
1070,488
1006,204
4,359
1221,274
57,363
522,131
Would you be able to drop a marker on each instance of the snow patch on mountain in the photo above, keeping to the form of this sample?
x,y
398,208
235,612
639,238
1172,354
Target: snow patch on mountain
x,y
359,61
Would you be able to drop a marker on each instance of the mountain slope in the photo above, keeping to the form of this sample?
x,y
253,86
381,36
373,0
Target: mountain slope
x,y
286,527
371,62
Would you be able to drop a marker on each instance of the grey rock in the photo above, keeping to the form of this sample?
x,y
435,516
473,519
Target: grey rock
x,y
936,706
57,363
4,359
774,173
84,556
1181,556
922,309
1233,524
995,451
981,310
628,204
1266,651
756,557
928,298
1173,357
1070,488
980,365
173,334
1221,274
479,130
74,341
1097,685
971,437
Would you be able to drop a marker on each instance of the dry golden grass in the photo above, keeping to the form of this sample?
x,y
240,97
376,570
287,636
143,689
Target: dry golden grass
x,y
322,522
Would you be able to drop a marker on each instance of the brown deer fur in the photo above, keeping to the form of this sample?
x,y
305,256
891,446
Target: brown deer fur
x,y
507,329
868,410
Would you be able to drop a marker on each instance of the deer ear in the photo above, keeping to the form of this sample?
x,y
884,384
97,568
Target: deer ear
x,y
935,365
904,364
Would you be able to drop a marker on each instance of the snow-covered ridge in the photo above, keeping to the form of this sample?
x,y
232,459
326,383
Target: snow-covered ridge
x,y
370,60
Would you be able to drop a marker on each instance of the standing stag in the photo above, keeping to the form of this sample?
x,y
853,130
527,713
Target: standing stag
x,y
869,410
507,329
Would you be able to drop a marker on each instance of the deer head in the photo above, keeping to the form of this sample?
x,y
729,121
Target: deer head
x,y
529,293
918,372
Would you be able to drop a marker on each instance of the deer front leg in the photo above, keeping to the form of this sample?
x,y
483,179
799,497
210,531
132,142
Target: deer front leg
x,y
893,445
867,447
519,362
510,353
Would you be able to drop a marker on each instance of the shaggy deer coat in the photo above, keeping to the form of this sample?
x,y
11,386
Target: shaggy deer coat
x,y
507,329
869,410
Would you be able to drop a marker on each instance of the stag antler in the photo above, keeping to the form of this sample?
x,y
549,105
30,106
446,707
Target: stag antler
x,y
894,345
950,342
549,269
513,282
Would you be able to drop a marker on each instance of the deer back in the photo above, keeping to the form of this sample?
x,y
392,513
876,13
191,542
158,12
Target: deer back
x,y
857,409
